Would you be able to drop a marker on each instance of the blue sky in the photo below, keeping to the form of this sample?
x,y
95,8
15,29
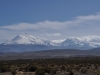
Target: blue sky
x,y
50,19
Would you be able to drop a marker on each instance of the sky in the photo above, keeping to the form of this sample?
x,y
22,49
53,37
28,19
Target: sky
x,y
50,19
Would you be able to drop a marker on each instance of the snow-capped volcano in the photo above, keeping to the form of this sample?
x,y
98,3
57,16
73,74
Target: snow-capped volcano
x,y
27,39
89,41
84,42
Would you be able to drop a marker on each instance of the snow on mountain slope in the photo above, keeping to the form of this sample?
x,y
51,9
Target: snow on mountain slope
x,y
27,39
56,42
91,41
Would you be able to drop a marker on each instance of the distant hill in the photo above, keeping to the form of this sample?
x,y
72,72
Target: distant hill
x,y
49,54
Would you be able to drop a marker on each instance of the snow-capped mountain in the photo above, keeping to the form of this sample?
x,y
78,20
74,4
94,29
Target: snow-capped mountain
x,y
89,41
27,39
84,41
28,42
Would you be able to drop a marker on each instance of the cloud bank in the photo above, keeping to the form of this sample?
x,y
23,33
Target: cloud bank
x,y
79,26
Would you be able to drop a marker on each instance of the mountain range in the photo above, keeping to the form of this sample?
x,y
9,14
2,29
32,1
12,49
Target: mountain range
x,y
26,42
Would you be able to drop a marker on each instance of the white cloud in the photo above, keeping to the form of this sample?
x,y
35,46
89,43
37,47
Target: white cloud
x,y
79,26
40,25
56,25
54,34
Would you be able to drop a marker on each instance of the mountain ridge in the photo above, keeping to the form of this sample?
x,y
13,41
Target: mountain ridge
x,y
26,39
28,42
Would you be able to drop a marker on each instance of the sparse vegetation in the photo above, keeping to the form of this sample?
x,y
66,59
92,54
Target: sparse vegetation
x,y
52,66
14,72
